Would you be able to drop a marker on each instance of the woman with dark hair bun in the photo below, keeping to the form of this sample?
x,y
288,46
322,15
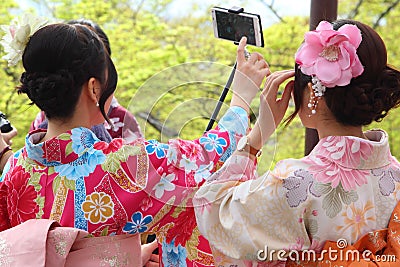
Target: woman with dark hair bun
x,y
124,124
346,187
66,174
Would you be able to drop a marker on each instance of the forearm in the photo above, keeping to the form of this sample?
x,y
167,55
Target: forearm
x,y
5,153
240,102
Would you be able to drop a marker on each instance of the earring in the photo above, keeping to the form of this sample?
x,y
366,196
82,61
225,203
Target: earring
x,y
312,104
318,90
97,104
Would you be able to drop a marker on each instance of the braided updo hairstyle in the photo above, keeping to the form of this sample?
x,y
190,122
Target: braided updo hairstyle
x,y
58,60
368,97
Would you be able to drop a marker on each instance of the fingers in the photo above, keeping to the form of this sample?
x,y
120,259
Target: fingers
x,y
240,51
287,93
273,82
155,258
261,64
8,136
152,264
254,57
154,261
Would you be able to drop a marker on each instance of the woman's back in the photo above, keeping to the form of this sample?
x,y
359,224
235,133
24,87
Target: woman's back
x,y
105,188
347,186
344,189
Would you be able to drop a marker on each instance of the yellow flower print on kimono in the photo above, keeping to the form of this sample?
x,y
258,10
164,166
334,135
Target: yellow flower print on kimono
x,y
98,207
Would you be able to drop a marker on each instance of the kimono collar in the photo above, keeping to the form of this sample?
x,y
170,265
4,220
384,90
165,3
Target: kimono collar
x,y
354,152
62,149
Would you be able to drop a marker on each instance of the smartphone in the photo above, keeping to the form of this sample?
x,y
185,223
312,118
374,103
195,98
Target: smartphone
x,y
232,26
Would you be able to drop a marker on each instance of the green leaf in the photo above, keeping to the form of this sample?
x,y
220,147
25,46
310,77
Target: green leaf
x,y
50,170
321,188
104,232
26,163
347,197
127,151
68,149
64,136
112,164
34,180
70,184
312,225
332,204
56,184
40,201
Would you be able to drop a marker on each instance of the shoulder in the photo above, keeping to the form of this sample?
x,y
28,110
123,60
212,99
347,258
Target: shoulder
x,y
287,167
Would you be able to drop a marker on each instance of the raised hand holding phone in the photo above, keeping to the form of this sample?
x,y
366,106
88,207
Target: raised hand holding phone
x,y
233,24
249,76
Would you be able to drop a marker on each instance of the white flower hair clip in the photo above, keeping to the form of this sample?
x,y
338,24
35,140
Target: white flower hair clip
x,y
17,35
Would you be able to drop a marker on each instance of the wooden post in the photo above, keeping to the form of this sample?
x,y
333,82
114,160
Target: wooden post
x,y
320,10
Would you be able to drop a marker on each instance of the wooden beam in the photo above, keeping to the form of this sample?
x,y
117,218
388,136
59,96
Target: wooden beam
x,y
320,10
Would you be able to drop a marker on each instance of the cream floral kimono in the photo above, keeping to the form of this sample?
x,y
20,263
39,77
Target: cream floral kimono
x,y
346,187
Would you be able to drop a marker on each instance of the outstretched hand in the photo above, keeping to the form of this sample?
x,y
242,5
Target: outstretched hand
x,y
248,77
272,109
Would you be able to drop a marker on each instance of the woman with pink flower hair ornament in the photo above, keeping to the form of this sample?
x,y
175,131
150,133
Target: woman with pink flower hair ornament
x,y
345,188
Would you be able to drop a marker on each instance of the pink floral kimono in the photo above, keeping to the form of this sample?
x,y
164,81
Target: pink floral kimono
x,y
118,189
38,243
345,188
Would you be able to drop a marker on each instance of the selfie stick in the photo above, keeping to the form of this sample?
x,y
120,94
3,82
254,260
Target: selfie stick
x,y
228,84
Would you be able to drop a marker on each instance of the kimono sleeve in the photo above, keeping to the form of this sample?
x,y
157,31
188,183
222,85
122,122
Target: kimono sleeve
x,y
176,169
243,215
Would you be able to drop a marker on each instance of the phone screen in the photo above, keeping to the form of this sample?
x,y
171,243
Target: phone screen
x,y
233,26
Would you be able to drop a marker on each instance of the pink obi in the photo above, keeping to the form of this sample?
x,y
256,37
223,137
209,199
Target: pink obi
x,y
42,242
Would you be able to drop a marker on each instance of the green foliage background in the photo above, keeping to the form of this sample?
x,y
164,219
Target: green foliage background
x,y
145,43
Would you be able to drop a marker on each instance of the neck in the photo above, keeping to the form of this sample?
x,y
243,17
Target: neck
x,y
331,127
57,127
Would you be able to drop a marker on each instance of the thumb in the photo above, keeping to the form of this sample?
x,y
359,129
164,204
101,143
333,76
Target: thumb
x,y
147,251
150,246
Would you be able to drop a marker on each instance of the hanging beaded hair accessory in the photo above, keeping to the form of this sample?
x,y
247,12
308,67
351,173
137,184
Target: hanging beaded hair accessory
x,y
17,35
330,57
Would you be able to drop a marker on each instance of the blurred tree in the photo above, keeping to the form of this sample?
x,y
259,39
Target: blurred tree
x,y
174,69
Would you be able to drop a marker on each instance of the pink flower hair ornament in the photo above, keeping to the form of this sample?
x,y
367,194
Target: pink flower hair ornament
x,y
330,55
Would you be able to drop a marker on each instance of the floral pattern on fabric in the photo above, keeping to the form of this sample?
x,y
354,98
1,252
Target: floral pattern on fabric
x,y
98,207
116,188
335,154
173,256
388,179
21,197
343,189
154,147
138,223
299,186
212,142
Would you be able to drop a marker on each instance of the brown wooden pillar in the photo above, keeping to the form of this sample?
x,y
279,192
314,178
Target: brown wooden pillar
x,y
320,10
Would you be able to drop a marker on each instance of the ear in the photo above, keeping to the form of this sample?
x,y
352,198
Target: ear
x,y
94,89
311,93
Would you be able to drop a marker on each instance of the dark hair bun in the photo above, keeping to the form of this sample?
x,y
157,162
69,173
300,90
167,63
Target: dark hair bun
x,y
365,102
58,60
46,89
